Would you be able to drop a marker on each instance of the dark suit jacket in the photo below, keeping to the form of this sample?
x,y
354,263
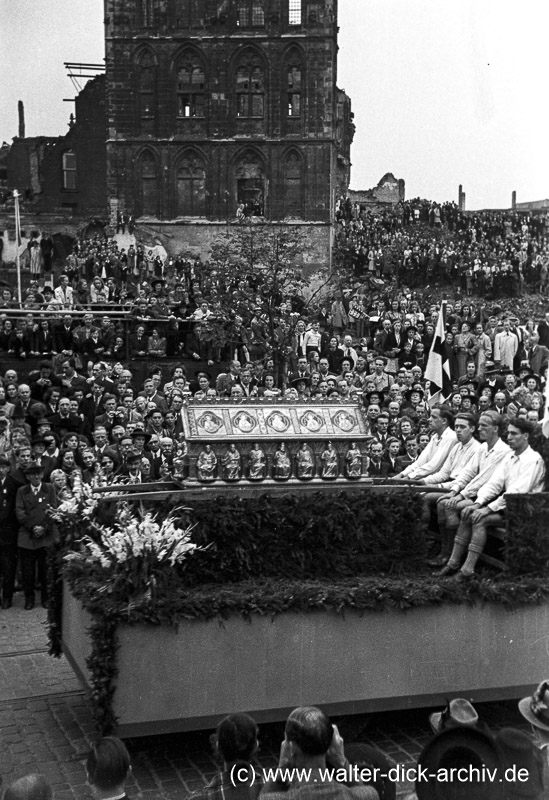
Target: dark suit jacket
x,y
61,425
405,461
31,510
538,357
392,470
138,345
8,517
90,410
543,330
63,338
380,470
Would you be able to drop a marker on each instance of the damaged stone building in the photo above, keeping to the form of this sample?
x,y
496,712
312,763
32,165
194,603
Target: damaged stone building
x,y
218,107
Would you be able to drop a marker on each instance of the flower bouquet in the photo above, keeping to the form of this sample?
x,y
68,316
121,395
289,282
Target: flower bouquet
x,y
134,560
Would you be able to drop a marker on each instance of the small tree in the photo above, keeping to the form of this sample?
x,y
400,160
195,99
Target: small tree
x,y
261,264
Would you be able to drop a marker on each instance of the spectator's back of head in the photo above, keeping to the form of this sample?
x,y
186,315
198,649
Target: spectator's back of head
x,y
108,764
29,787
236,737
310,729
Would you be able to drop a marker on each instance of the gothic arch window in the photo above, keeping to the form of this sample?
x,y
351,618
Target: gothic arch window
x,y
249,174
250,13
293,178
69,171
191,186
147,85
294,84
190,86
250,85
149,184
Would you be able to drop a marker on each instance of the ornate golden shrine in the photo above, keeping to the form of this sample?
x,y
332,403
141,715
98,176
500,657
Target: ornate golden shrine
x,y
262,442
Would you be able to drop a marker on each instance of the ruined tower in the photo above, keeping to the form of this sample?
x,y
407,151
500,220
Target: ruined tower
x,y
215,104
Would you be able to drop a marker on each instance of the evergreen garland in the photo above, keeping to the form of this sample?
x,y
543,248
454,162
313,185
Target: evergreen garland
x,y
268,558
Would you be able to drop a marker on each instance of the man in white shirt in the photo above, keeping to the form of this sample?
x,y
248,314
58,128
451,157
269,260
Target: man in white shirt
x,y
521,472
63,294
477,472
443,438
460,456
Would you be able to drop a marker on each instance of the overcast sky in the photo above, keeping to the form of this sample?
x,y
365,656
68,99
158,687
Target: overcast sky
x,y
443,92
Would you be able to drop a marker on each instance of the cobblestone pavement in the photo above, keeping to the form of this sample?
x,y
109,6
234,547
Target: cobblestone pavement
x,y
46,725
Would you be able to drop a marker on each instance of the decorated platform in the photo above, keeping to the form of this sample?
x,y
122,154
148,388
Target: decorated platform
x,y
260,605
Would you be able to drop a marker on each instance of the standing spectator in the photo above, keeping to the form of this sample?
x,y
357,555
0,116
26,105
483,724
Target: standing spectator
x,y
36,532
505,346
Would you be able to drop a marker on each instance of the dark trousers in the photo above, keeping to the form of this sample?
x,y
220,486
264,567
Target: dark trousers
x,y
33,561
8,569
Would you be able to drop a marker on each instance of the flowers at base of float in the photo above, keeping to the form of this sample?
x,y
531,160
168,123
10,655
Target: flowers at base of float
x,y
136,541
135,538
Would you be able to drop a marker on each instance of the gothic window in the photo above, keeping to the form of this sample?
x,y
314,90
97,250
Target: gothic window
x,y
191,187
250,86
149,185
292,185
69,171
190,88
250,184
182,13
294,85
147,79
147,13
294,12
250,13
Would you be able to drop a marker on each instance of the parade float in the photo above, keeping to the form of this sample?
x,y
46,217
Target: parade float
x,y
273,581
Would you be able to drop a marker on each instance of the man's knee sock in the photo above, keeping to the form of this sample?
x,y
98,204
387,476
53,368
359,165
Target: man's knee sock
x,y
472,558
461,540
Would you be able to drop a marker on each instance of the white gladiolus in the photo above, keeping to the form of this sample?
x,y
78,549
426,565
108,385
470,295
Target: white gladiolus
x,y
133,537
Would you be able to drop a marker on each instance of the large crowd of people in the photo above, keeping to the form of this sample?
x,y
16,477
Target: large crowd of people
x,y
98,368
498,253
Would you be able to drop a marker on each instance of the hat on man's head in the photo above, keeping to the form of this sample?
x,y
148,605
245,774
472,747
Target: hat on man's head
x,y
524,369
460,748
133,455
378,393
140,433
536,708
33,468
414,390
457,712
520,753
